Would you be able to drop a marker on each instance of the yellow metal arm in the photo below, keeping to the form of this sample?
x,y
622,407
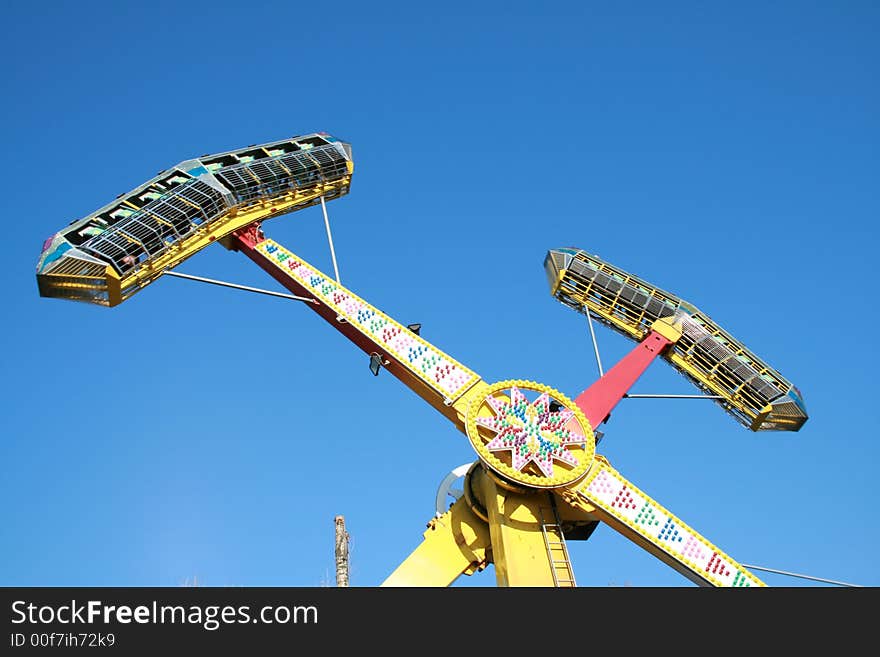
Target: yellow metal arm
x,y
456,543
609,496
435,376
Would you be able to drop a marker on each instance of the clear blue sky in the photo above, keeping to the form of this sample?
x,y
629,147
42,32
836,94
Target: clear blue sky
x,y
728,154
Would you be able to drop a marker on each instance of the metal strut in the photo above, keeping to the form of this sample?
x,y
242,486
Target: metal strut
x,y
330,240
628,396
235,286
595,344
790,574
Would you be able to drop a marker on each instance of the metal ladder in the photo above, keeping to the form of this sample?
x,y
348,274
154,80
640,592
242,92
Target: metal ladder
x,y
557,552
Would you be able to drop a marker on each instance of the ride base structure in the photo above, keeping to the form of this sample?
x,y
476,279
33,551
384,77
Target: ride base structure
x,y
538,481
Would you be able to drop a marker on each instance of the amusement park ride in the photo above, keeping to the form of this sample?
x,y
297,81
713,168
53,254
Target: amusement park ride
x,y
538,480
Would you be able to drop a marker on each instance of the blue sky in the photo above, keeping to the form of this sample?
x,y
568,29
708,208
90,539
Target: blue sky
x,y
728,154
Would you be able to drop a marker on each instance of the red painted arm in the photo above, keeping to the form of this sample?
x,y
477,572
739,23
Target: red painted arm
x,y
597,401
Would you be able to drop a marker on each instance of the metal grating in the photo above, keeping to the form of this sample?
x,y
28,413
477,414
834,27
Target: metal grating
x,y
151,230
75,267
270,177
73,278
785,409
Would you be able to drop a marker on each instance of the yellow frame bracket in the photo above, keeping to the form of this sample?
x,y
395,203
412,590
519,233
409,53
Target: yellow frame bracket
x,y
455,543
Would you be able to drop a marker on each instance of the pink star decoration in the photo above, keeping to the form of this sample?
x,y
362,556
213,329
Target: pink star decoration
x,y
531,432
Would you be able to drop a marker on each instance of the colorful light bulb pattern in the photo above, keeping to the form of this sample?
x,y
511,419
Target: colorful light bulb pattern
x,y
606,489
531,432
439,371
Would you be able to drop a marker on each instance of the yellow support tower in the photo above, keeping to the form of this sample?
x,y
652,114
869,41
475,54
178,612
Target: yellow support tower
x,y
456,543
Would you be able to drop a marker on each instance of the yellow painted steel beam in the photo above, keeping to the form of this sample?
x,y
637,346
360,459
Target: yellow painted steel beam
x,y
114,287
435,376
608,495
519,550
668,327
455,543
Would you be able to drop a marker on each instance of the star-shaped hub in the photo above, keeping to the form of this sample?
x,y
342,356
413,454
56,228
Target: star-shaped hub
x,y
510,432
532,432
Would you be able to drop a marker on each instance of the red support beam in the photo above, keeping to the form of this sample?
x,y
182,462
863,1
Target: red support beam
x,y
597,401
